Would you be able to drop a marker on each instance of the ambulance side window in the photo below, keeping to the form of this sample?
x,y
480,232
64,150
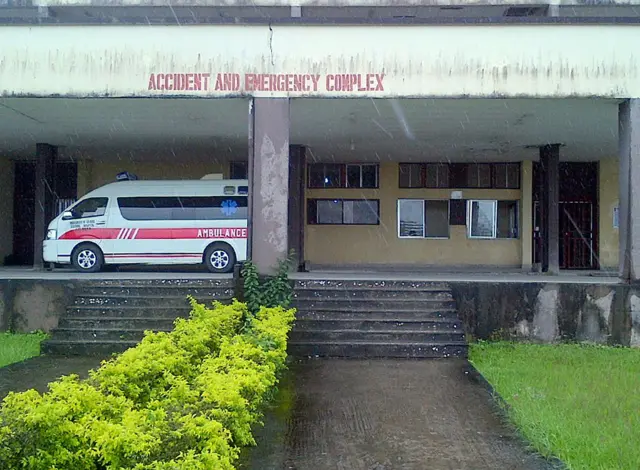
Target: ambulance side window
x,y
92,207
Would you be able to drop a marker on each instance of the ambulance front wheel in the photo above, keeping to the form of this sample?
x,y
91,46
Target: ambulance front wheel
x,y
87,258
219,258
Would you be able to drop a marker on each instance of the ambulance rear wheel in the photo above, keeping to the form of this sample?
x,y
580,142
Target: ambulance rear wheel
x,y
87,258
219,258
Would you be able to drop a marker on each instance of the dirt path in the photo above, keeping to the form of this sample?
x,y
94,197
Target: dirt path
x,y
384,415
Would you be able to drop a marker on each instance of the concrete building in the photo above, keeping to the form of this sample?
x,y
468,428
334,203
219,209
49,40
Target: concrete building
x,y
460,134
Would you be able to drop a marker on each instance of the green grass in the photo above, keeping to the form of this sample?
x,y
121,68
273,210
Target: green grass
x,y
578,403
17,347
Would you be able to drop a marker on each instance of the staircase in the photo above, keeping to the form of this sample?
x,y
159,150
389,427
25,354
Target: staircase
x,y
110,316
358,319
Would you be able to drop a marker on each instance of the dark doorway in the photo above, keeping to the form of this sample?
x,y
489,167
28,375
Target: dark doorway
x,y
66,178
579,215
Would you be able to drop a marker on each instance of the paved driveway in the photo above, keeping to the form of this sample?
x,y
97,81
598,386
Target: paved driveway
x,y
384,415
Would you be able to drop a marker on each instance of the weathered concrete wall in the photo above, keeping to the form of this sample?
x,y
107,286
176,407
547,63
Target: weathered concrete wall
x,y
332,61
30,305
549,312
311,3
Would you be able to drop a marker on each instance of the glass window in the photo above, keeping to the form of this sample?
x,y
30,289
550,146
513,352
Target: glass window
x,y
508,219
92,207
184,208
506,175
148,208
316,176
329,212
362,176
437,175
325,175
369,176
479,175
410,175
353,176
436,215
361,212
482,219
410,218
343,212
332,176
213,208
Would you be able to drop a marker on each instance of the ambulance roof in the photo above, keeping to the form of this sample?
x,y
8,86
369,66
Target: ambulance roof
x,y
165,188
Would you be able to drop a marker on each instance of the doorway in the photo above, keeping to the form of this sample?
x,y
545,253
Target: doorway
x,y
578,216
65,194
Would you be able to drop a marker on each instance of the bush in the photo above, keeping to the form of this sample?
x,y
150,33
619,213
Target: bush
x,y
180,400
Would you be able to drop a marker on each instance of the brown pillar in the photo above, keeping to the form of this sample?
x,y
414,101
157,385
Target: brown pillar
x,y
269,182
297,165
549,165
44,197
629,183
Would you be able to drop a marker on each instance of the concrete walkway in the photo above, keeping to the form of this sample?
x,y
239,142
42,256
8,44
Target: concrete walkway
x,y
385,415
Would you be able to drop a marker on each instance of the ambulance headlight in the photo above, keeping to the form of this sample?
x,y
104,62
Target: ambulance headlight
x,y
51,234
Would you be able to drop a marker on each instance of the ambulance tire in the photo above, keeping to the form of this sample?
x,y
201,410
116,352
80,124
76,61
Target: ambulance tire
x,y
219,258
87,258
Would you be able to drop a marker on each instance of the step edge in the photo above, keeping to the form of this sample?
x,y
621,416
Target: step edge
x,y
403,332
116,318
378,343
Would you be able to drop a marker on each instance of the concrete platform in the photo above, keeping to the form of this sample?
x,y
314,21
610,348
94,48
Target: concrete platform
x,y
9,273
506,276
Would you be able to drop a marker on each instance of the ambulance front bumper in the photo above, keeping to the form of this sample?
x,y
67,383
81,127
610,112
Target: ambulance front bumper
x,y
49,251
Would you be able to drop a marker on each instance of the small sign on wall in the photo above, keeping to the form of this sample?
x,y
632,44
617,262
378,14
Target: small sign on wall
x,y
616,217
456,194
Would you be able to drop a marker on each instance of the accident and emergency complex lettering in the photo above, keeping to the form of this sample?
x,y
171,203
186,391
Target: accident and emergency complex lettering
x,y
267,82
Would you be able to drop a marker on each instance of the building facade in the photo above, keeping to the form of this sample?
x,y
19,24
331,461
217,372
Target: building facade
x,y
458,135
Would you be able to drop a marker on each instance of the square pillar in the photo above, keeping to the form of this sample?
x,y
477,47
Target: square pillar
x,y
269,182
550,169
629,183
297,165
44,197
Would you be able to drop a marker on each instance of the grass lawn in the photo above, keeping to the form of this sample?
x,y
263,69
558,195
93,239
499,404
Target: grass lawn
x,y
17,347
578,403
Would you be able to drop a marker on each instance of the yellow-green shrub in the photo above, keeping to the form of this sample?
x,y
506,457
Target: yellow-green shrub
x,y
180,400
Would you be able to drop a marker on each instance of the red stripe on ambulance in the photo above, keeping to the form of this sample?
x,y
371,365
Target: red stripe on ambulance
x,y
154,233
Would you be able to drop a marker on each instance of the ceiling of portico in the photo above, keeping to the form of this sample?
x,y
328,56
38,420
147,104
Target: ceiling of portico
x,y
333,129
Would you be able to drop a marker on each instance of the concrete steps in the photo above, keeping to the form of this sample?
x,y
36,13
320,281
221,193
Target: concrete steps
x,y
362,319
111,316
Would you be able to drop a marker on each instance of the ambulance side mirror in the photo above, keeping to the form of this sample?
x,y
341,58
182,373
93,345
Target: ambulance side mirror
x,y
66,215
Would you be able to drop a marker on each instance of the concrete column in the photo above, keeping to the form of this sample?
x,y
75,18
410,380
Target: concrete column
x,y
629,183
44,197
297,165
269,181
526,215
549,163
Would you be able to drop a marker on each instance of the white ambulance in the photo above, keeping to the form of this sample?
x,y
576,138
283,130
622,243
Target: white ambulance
x,y
153,222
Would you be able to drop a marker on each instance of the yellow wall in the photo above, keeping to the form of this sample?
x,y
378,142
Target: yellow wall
x,y
526,219
6,208
93,174
608,187
379,244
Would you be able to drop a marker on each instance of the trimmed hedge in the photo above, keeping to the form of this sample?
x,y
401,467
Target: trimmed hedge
x,y
184,400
